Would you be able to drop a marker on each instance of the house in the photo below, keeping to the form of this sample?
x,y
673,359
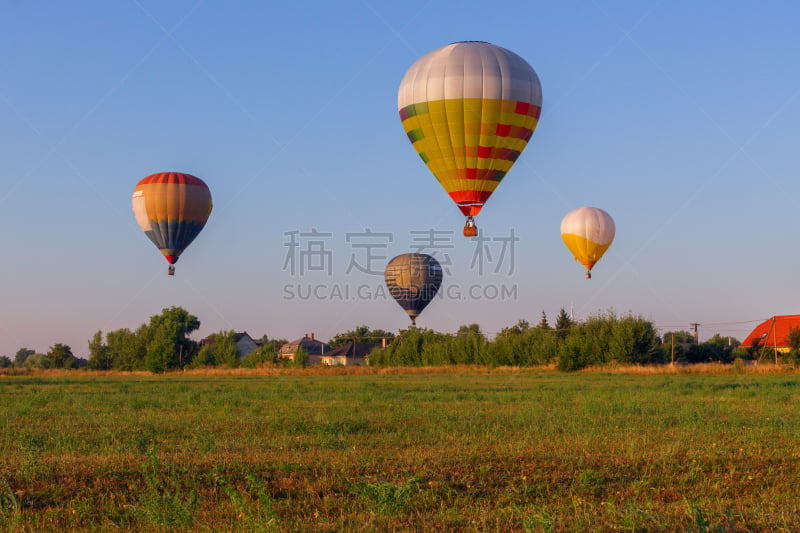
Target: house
x,y
315,349
244,343
773,333
352,353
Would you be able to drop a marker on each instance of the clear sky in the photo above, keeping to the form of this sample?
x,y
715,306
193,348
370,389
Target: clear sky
x,y
679,118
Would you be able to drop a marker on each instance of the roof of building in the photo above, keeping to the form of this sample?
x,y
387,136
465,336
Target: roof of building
x,y
309,344
239,336
773,331
236,338
362,349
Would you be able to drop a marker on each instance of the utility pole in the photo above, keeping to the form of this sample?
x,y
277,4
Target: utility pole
x,y
672,339
775,337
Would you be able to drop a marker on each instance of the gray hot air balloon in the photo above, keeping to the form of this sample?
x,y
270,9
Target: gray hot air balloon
x,y
413,280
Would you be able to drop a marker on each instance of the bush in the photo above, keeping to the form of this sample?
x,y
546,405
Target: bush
x,y
634,340
205,357
300,358
260,356
529,347
604,338
741,352
37,360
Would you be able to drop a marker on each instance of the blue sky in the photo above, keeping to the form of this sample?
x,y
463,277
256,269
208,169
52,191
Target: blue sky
x,y
679,118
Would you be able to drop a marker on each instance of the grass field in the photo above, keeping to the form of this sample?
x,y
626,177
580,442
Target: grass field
x,y
463,450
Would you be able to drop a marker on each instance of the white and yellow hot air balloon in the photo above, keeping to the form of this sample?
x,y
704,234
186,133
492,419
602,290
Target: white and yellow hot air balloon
x,y
588,232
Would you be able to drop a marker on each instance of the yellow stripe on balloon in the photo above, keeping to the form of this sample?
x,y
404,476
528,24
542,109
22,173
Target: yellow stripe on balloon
x,y
450,132
193,203
586,252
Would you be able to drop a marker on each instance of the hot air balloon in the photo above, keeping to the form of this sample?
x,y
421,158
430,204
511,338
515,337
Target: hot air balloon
x,y
469,109
588,232
171,208
413,280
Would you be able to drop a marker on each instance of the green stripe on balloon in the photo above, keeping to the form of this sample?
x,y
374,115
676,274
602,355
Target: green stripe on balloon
x,y
416,135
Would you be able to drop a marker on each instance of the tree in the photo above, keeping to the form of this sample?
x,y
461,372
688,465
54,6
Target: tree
x,y
469,345
21,355
360,334
266,353
436,349
517,329
563,324
300,358
5,361
160,351
99,354
508,347
793,339
36,360
634,340
541,347
675,345
588,343
604,337
682,337
168,331
221,350
719,348
543,322
126,349
272,345
59,356
159,345
405,349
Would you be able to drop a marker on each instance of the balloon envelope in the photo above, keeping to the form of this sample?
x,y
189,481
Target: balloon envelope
x,y
413,281
469,109
588,232
171,208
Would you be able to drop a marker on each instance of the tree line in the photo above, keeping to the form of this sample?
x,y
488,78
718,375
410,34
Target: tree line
x,y
571,345
163,344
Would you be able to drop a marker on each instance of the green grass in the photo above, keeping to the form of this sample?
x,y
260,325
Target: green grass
x,y
468,450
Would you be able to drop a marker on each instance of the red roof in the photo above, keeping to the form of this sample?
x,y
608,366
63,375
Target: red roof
x,y
773,331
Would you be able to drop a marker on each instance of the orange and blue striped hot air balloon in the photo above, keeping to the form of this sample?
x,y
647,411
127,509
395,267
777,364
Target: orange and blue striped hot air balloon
x,y
469,109
171,208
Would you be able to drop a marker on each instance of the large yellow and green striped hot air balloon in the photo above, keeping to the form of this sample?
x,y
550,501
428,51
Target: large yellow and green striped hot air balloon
x,y
588,232
171,208
469,109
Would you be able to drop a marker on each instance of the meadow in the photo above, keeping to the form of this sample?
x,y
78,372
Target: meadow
x,y
460,449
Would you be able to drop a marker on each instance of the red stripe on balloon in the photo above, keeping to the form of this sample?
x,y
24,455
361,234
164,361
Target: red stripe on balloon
x,y
178,178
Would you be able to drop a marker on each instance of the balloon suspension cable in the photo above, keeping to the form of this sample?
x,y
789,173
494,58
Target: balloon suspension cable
x,y
171,270
470,229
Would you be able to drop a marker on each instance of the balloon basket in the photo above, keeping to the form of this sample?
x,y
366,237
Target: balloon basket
x,y
470,229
